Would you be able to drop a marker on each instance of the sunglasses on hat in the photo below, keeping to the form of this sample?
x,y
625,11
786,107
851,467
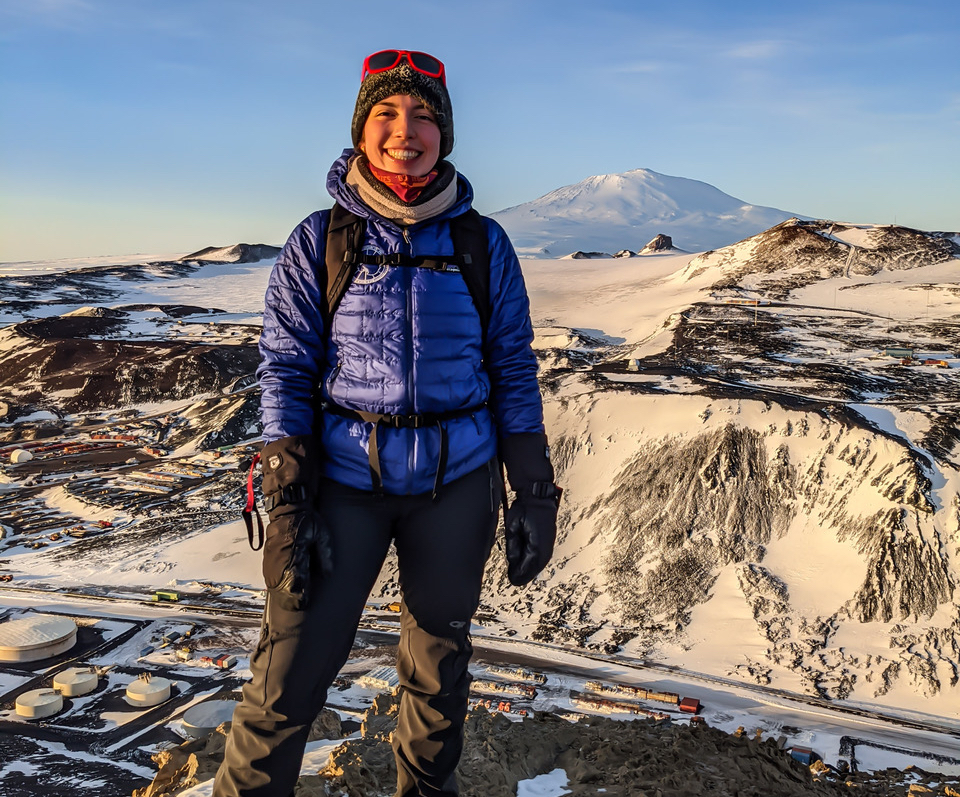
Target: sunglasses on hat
x,y
386,60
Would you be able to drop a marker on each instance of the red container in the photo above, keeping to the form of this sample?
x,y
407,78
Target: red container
x,y
691,705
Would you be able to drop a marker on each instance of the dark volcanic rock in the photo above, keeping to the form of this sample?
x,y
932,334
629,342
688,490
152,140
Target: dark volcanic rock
x,y
908,578
184,766
238,253
42,364
96,285
713,500
660,243
599,755
578,255
73,326
798,253
327,725
173,310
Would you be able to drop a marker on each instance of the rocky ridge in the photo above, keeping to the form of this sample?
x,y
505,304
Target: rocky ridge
x,y
598,756
78,362
799,252
237,253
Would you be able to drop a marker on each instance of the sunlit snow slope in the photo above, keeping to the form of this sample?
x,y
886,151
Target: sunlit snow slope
x,y
755,486
758,444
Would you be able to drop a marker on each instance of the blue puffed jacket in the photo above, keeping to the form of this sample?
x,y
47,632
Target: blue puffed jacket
x,y
403,341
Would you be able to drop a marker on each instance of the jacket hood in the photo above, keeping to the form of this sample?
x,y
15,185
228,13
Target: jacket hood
x,y
348,198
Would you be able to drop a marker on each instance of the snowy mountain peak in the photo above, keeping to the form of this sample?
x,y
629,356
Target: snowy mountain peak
x,y
609,212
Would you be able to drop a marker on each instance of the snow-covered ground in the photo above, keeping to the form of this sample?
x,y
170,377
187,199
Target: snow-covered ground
x,y
603,313
53,267
237,288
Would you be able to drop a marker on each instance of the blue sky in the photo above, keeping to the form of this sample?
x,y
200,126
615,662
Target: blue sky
x,y
163,126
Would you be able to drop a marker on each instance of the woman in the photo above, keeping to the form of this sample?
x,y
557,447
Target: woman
x,y
385,411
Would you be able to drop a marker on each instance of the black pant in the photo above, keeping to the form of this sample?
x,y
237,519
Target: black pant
x,y
442,548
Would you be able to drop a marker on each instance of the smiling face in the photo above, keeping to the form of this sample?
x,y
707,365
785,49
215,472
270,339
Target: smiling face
x,y
401,135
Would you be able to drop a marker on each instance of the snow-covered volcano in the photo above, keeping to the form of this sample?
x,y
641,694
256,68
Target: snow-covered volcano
x,y
611,212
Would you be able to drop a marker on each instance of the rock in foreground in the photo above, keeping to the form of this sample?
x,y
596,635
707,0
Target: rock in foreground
x,y
599,755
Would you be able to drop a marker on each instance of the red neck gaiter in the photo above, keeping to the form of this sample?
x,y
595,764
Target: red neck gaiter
x,y
405,186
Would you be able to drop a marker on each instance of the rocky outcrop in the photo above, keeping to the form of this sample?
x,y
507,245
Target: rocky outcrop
x,y
797,253
187,765
578,255
63,363
908,577
660,243
681,509
197,760
238,253
596,755
636,558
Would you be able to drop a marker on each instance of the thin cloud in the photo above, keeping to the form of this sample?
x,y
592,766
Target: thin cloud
x,y
638,67
758,50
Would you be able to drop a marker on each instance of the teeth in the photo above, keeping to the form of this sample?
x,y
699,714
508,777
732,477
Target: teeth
x,y
402,154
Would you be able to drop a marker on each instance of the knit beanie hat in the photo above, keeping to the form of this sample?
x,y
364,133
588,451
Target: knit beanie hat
x,y
404,79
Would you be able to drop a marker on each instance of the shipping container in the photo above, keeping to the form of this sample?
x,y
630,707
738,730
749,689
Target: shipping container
x,y
899,352
804,755
664,697
690,705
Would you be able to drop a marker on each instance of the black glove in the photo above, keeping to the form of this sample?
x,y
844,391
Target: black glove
x,y
530,522
297,545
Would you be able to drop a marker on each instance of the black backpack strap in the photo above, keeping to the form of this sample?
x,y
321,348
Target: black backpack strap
x,y
471,243
345,234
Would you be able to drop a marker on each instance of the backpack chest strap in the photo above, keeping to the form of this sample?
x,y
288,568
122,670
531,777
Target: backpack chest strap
x,y
451,263
343,254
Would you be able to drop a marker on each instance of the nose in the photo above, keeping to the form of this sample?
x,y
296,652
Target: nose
x,y
403,127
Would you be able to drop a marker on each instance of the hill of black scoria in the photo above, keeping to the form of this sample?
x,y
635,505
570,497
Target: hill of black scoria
x,y
82,362
796,253
238,253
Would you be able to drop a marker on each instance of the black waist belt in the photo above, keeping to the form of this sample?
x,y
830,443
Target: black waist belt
x,y
418,421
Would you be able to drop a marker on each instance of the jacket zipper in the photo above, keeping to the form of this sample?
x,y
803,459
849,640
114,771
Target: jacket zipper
x,y
333,378
408,343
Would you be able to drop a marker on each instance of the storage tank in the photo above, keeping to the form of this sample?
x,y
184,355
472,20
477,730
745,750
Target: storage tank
x,y
19,456
39,703
148,691
204,718
76,681
35,637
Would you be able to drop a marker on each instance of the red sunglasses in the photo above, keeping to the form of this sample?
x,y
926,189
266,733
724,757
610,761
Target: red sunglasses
x,y
386,60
